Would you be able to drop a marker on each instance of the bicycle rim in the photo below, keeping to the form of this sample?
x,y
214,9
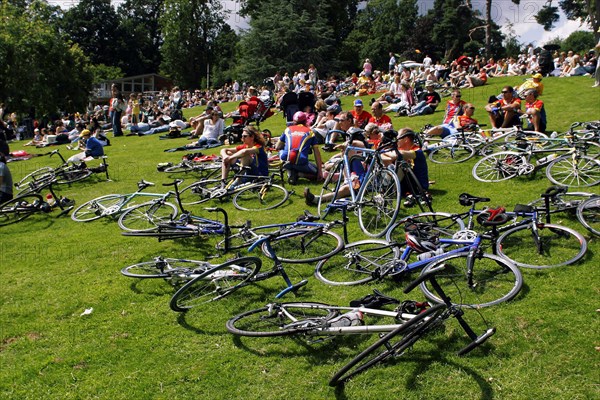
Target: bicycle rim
x,y
442,224
281,319
379,203
261,197
553,246
589,216
147,216
494,280
163,268
452,154
98,208
498,167
305,245
215,283
357,263
199,192
19,208
574,172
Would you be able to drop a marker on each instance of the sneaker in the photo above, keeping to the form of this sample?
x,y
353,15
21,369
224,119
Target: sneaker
x,y
596,85
309,198
292,177
410,201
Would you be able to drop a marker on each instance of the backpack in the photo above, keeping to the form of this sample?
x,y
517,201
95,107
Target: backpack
x,y
296,138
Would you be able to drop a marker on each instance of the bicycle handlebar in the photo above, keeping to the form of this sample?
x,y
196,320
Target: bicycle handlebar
x,y
174,183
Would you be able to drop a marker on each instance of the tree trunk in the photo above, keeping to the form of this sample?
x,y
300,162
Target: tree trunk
x,y
488,28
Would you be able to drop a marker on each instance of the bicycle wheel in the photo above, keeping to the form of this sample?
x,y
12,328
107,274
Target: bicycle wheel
x,y
71,174
199,192
359,262
99,207
37,175
379,202
587,214
258,197
305,245
445,225
412,330
452,154
552,246
215,283
331,186
281,319
563,202
19,208
580,171
498,166
494,280
147,216
205,170
163,268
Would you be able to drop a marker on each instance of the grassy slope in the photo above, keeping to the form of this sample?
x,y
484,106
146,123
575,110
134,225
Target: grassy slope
x,y
133,346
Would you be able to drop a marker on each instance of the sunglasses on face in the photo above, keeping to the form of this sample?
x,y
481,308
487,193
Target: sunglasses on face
x,y
505,91
470,108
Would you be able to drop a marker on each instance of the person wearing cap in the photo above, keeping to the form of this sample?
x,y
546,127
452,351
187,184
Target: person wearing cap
x,y
295,145
412,153
361,117
534,83
535,111
428,101
93,147
38,137
504,113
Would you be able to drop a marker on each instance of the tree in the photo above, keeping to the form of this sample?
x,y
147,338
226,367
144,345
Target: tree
x,y
95,26
588,11
190,28
223,66
287,36
579,41
40,71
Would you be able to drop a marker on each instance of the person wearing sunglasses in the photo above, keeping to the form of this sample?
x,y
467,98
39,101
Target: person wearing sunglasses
x,y
504,113
454,107
251,153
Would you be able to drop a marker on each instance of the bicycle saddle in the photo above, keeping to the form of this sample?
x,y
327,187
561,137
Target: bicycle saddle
x,y
308,217
375,300
466,199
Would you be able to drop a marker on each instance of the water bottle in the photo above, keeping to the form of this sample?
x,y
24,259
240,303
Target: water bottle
x,y
547,159
351,318
429,254
50,200
355,181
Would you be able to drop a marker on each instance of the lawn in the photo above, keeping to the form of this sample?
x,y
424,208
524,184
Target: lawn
x,y
133,346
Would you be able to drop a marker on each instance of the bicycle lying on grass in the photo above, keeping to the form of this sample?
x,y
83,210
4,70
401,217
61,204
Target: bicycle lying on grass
x,y
221,280
25,205
411,321
65,173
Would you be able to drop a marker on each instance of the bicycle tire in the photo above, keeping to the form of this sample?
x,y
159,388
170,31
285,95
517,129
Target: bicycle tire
x,y
412,330
357,263
331,184
559,246
99,207
379,202
444,225
495,280
163,268
498,167
19,208
563,202
452,154
147,216
582,171
68,176
204,169
163,234
530,134
37,175
262,323
260,197
207,286
588,216
300,246
199,192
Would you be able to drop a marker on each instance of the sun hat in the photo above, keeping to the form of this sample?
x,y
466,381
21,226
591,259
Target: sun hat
x,y
85,132
537,76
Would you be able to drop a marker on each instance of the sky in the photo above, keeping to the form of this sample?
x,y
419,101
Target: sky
x,y
526,28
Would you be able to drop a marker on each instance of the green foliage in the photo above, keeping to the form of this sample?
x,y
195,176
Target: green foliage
x,y
101,72
132,346
547,17
222,68
587,11
579,41
190,29
40,71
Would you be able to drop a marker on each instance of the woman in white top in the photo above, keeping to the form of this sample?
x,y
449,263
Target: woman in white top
x,y
211,128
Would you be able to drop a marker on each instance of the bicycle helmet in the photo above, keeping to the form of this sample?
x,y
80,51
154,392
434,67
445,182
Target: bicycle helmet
x,y
419,237
299,117
389,136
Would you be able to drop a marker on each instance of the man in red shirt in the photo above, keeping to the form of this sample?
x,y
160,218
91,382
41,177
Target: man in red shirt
x,y
504,113
361,117
379,118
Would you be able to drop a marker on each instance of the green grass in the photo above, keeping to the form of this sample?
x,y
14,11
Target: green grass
x,y
134,346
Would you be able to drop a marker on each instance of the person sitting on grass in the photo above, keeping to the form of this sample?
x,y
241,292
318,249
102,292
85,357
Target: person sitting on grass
x,y
535,111
504,113
295,145
428,101
93,147
458,122
208,127
251,153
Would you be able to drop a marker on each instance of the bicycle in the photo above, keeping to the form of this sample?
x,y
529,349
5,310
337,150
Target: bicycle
x,y
302,241
112,204
477,278
249,192
65,173
588,214
376,200
174,270
223,279
572,169
528,240
25,205
361,317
